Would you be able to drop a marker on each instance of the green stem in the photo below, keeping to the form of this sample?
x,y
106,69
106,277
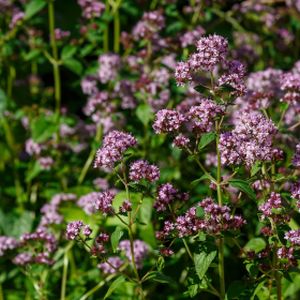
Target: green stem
x,y
1,292
91,156
117,31
64,277
221,268
97,287
221,240
56,72
106,30
188,249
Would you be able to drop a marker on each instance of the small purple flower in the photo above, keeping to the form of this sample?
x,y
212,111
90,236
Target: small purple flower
x,y
104,202
115,143
166,194
7,243
212,50
142,169
203,115
125,207
46,162
74,229
293,236
182,73
141,250
112,265
296,158
167,121
32,148
267,208
109,65
181,141
91,8
23,259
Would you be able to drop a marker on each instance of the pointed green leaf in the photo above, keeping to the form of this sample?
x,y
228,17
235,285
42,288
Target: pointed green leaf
x,y
202,262
206,139
115,284
115,238
33,7
243,186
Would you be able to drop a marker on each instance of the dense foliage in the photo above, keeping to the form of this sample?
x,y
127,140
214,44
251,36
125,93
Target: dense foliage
x,y
149,149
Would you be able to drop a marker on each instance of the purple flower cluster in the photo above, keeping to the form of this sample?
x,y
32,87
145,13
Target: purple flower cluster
x,y
75,228
167,120
140,250
293,236
46,162
142,169
89,85
202,116
290,84
103,202
250,141
115,143
181,141
149,25
41,235
112,265
50,211
61,34
87,202
91,8
17,17
211,51
296,158
273,208
7,243
98,101
109,65
167,194
234,77
191,37
32,148
215,219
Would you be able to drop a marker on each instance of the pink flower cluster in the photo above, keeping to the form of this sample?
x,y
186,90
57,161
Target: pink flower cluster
x,y
214,220
142,169
75,228
115,144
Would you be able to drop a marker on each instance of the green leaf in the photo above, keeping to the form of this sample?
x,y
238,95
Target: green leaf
x,y
227,88
200,212
255,168
144,113
43,128
243,186
33,172
256,245
201,89
3,101
67,52
158,277
202,262
203,177
115,284
74,65
206,139
33,7
115,238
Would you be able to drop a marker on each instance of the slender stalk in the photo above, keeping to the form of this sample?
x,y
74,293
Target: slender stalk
x,y
64,277
221,240
97,287
55,64
1,292
117,31
91,156
106,30
188,249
